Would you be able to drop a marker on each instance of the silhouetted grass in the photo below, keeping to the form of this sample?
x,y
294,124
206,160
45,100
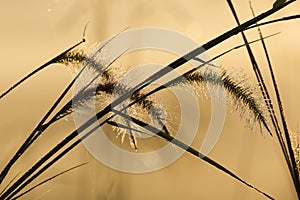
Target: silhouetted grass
x,y
135,94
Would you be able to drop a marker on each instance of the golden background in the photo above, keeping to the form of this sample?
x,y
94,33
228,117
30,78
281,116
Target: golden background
x,y
32,32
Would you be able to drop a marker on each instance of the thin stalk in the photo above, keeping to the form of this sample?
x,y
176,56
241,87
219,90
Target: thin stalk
x,y
257,71
274,21
267,100
263,88
281,111
52,61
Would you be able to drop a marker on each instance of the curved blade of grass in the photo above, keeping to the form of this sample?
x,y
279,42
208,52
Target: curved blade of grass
x,y
46,181
52,61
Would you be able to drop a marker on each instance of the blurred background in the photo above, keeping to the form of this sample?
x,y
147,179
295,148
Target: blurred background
x,y
34,31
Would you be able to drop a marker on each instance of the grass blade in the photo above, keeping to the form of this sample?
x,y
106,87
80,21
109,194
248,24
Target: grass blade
x,y
274,21
52,61
46,181
268,101
295,174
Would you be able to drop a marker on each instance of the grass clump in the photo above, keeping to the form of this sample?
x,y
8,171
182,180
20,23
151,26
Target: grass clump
x,y
118,113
